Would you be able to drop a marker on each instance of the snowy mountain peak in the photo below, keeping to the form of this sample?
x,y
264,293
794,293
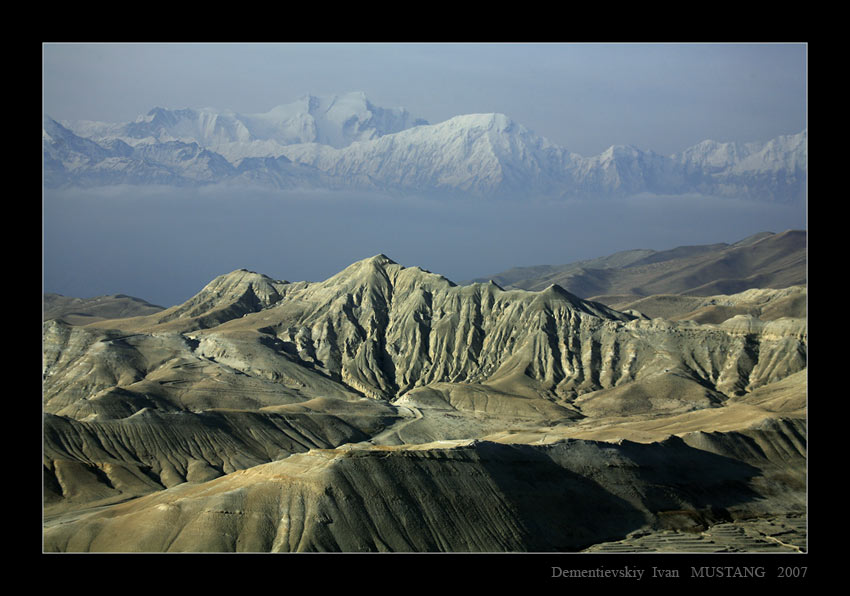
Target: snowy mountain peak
x,y
620,152
346,142
494,125
49,127
785,152
492,121
334,120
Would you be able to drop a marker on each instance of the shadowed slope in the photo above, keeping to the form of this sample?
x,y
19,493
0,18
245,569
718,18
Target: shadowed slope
x,y
95,462
476,497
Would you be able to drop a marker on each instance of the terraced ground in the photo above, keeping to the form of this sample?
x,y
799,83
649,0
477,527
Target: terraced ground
x,y
778,534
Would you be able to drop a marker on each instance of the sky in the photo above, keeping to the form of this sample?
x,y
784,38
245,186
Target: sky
x,y
585,97
164,246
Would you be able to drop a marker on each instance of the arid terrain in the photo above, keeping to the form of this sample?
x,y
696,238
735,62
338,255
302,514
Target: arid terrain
x,y
643,402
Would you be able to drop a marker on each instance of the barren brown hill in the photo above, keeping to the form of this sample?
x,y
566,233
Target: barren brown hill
x,y
468,496
81,311
765,260
765,304
263,415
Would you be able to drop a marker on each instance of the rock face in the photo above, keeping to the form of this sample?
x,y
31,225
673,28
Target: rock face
x,y
306,415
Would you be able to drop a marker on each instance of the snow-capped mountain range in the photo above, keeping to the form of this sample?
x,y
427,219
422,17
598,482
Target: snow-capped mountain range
x,y
346,142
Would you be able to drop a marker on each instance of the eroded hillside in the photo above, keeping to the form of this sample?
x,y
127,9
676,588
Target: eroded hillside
x,y
265,411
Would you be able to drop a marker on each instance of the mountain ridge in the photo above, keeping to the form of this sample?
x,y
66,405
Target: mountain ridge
x,y
345,142
786,271
382,330
762,260
329,120
266,415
